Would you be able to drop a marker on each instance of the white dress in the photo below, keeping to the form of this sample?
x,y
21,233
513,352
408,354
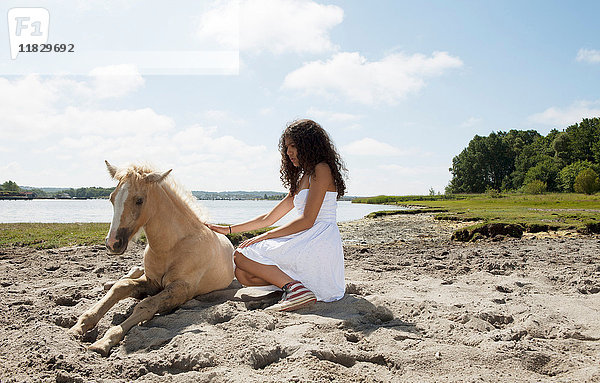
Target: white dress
x,y
313,257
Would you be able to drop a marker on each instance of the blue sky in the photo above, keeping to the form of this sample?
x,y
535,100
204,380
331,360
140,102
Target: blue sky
x,y
401,86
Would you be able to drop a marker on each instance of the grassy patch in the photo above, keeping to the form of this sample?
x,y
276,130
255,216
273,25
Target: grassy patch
x,y
52,235
398,200
408,211
533,212
237,238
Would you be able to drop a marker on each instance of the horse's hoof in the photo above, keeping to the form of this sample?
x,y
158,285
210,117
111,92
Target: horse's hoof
x,y
135,272
108,285
100,349
75,331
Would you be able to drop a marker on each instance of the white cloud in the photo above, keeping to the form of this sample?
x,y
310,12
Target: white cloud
x,y
202,140
116,80
10,171
66,146
26,94
591,56
352,76
221,25
26,104
201,158
30,106
112,122
563,117
277,26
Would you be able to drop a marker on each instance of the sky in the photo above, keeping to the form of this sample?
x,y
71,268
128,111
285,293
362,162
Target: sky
x,y
206,87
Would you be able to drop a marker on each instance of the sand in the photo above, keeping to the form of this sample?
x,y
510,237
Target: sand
x,y
418,308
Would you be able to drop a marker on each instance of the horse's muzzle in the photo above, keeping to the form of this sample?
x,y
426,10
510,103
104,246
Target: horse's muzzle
x,y
117,249
118,246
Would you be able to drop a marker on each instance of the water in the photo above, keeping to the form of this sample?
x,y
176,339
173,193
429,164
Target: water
x,y
100,210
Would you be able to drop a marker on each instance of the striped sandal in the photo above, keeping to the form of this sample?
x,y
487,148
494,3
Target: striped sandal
x,y
295,296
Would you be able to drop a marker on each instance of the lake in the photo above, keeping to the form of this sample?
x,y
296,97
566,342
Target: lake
x,y
100,210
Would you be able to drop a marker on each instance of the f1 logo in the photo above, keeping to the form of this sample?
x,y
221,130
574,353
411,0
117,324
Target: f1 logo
x,y
27,26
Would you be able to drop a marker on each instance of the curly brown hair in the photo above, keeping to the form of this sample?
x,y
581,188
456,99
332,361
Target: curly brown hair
x,y
314,146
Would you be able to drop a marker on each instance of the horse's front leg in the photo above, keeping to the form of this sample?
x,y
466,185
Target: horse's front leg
x,y
123,288
134,272
174,295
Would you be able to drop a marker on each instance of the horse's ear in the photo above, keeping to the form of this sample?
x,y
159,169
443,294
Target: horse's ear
x,y
112,170
157,177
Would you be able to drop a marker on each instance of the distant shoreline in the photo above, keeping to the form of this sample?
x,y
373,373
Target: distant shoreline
x,y
249,197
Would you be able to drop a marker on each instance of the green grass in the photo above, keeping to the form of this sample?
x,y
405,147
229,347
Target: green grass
x,y
395,200
237,238
53,235
405,212
550,211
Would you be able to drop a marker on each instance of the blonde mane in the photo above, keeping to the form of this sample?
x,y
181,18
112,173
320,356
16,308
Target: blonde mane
x,y
138,171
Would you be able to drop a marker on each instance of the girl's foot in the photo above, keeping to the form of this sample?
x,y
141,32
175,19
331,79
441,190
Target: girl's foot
x,y
295,296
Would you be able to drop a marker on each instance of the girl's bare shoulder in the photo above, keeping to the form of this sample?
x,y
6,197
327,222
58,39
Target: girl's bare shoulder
x,y
322,169
323,174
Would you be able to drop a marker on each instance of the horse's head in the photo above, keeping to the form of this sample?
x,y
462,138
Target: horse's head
x,y
130,207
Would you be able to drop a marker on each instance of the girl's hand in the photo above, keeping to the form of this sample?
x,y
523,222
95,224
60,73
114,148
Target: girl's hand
x,y
253,240
218,228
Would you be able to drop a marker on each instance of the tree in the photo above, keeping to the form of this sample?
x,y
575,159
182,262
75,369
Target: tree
x,y
561,146
583,138
521,145
11,186
546,170
520,139
91,192
566,177
507,161
596,150
539,151
587,182
486,162
535,187
39,193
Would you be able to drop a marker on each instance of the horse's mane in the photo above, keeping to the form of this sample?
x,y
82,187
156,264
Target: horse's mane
x,y
139,171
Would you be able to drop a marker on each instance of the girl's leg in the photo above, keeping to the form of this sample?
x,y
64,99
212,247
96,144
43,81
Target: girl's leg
x,y
247,279
295,294
258,274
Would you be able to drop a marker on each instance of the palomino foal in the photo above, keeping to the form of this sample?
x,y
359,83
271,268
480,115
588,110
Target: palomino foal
x,y
183,258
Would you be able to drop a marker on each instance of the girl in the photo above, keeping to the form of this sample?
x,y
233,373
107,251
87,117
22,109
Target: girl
x,y
303,257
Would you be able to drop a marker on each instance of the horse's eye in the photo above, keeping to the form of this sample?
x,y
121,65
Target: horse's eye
x,y
139,201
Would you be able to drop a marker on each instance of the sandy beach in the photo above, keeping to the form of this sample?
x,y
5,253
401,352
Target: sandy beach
x,y
418,308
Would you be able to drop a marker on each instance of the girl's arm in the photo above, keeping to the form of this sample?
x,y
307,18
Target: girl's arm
x,y
321,181
264,220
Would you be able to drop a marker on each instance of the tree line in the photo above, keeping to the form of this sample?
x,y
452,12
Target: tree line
x,y
85,192
89,192
562,161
